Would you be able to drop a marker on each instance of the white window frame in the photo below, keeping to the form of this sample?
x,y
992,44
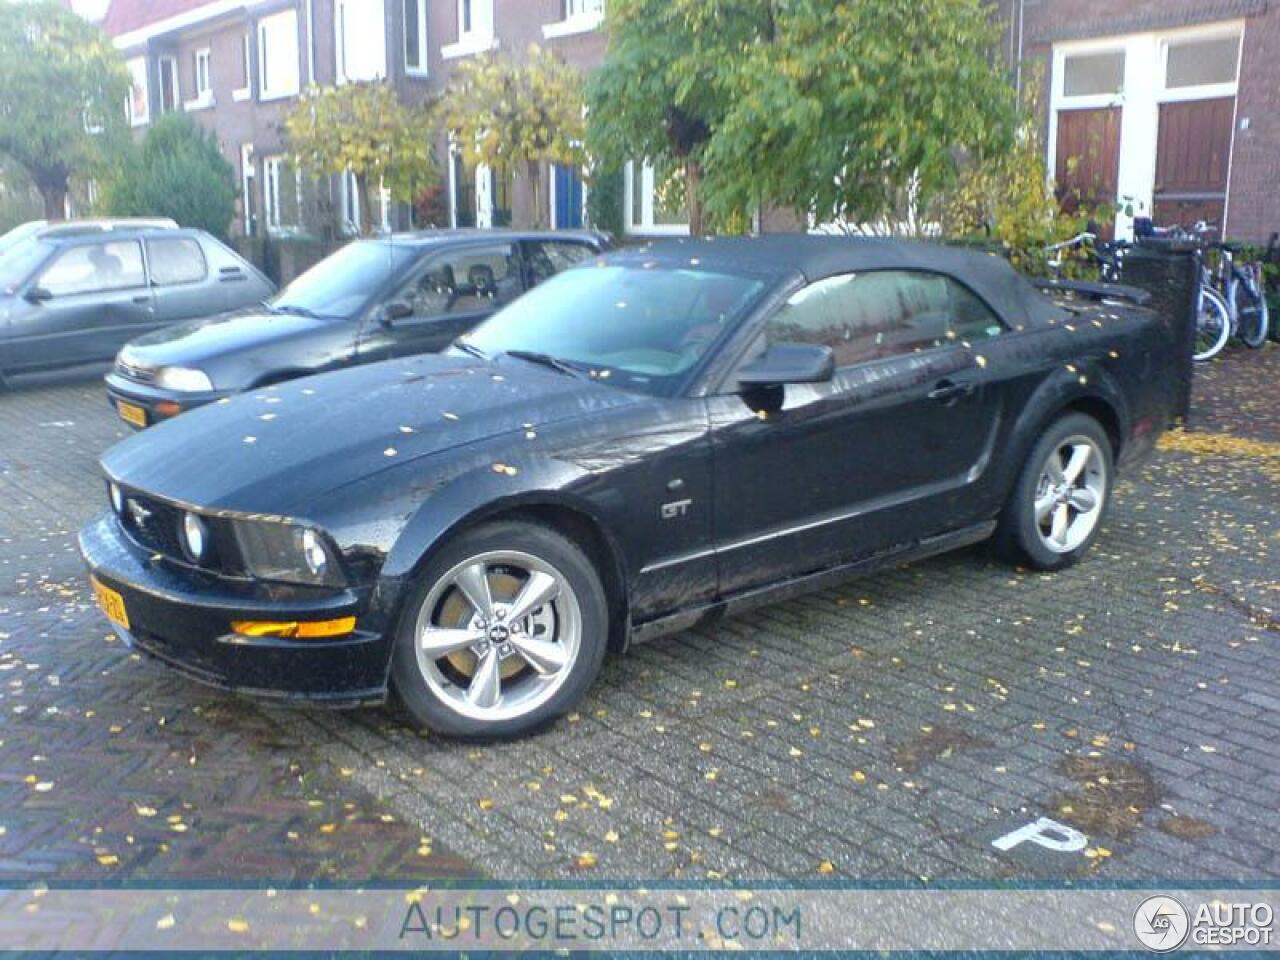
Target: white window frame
x,y
581,16
245,92
1145,89
139,78
204,94
480,38
347,11
169,62
269,62
248,180
272,167
646,226
422,69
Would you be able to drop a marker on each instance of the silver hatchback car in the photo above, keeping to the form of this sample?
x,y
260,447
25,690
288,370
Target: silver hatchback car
x,y
69,299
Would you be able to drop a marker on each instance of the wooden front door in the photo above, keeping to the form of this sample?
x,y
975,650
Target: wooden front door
x,y
1088,159
1193,151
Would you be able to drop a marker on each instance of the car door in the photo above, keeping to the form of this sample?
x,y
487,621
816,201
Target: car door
x,y
87,301
814,475
545,258
179,280
451,293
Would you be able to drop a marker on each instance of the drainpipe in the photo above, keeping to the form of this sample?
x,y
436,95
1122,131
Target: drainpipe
x,y
311,43
1022,12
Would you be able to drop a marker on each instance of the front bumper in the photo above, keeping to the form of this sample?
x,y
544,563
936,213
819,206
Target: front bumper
x,y
156,403
183,617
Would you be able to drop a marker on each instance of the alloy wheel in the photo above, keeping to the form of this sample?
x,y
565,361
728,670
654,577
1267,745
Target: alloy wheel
x,y
1070,494
498,635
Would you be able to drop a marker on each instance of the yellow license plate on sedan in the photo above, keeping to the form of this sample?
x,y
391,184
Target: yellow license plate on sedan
x,y
111,602
132,413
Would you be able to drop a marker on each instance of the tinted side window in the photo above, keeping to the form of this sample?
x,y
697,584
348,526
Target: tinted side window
x,y
467,281
89,268
867,316
549,257
175,260
971,319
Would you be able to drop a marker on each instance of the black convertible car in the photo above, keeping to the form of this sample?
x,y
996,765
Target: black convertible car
x,y
644,442
393,296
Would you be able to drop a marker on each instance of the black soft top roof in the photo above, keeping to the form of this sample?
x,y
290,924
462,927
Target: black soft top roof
x,y
816,256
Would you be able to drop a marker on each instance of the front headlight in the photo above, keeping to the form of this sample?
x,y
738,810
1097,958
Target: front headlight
x,y
183,379
287,552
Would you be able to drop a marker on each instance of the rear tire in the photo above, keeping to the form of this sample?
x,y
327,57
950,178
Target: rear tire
x,y
1251,309
1060,498
505,630
1213,326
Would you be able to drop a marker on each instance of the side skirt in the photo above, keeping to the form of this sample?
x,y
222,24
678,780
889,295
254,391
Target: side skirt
x,y
808,583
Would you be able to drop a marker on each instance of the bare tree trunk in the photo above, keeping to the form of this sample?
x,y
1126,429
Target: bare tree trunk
x,y
693,197
53,191
366,205
535,195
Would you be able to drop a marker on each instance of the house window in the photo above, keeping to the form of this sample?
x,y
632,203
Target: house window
x,y
204,82
278,56
248,191
581,8
475,29
1202,62
576,16
650,204
463,182
360,38
1093,74
283,193
169,92
415,36
136,106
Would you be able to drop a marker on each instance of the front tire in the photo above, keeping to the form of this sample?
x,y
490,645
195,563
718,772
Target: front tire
x,y
1213,326
1251,308
1060,498
505,631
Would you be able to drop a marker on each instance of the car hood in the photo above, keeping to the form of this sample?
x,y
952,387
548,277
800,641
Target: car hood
x,y
195,343
276,450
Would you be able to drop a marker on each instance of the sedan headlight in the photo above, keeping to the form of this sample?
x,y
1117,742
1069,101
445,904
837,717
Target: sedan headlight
x,y
183,379
288,552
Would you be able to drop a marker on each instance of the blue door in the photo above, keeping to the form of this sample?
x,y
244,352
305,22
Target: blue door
x,y
568,198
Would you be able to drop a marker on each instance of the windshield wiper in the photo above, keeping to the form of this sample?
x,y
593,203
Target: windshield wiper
x,y
471,349
546,360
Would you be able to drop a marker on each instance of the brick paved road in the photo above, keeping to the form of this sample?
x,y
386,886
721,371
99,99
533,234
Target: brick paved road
x,y
886,729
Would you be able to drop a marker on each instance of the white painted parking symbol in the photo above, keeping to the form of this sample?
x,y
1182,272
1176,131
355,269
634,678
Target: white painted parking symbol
x,y
1046,833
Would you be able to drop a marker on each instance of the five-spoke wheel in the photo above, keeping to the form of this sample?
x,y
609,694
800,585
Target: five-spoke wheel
x,y
506,630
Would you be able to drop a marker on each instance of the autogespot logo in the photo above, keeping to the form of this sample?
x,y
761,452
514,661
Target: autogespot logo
x,y
1161,923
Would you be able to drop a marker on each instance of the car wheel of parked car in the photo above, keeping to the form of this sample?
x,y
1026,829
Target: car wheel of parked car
x,y
505,630
1061,496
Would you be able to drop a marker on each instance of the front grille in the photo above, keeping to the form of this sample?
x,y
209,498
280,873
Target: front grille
x,y
136,372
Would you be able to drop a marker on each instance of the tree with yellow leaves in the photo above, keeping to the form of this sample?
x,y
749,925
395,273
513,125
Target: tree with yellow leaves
x,y
362,128
511,115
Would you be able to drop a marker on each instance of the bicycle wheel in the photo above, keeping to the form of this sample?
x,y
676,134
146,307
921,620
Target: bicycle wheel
x,y
1250,310
1213,326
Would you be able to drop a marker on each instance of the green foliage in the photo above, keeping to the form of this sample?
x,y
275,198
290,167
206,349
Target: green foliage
x,y
605,198
177,172
60,78
513,115
1008,198
364,128
836,110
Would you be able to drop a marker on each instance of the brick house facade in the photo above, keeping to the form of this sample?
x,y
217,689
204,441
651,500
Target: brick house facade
x,y
1171,107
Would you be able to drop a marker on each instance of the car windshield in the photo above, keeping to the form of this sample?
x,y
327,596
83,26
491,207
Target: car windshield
x,y
642,327
17,263
342,284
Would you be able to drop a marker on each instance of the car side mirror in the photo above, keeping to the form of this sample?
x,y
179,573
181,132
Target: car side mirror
x,y
396,310
785,363
37,295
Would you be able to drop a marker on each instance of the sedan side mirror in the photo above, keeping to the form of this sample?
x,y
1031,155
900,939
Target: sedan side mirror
x,y
785,363
396,310
37,295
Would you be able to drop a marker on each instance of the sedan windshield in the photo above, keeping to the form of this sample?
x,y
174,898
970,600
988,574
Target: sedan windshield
x,y
19,261
342,285
643,327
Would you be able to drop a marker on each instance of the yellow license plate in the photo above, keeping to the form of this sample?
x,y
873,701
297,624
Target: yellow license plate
x,y
132,413
112,603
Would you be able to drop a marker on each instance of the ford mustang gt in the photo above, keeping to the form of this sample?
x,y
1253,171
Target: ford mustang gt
x,y
649,440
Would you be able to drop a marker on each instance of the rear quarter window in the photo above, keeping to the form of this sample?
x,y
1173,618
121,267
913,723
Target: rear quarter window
x,y
176,260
